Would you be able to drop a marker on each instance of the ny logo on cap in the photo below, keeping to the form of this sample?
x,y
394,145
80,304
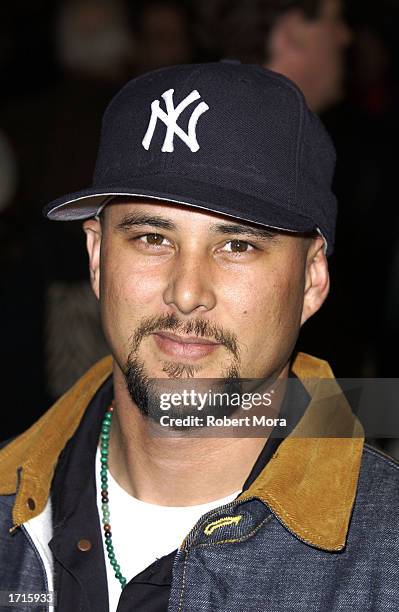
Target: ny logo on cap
x,y
170,120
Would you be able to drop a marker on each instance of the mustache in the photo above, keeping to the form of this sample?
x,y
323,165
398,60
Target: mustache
x,y
198,327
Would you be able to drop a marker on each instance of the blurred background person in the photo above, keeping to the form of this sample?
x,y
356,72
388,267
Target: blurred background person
x,y
305,40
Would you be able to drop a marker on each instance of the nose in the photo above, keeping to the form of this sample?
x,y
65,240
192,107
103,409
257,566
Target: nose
x,y
190,288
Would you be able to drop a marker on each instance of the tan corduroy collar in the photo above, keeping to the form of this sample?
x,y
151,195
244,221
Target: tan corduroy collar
x,y
309,484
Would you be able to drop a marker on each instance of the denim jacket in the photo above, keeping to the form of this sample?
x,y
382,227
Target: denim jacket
x,y
316,531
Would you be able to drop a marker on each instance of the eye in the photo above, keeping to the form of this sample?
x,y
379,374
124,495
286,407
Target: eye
x,y
238,246
152,239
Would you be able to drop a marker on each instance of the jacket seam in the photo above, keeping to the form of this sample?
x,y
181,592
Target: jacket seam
x,y
183,582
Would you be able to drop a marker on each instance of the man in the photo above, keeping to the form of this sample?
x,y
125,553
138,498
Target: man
x,y
208,225
303,39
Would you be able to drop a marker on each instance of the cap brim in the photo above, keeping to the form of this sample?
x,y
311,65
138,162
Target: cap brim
x,y
87,202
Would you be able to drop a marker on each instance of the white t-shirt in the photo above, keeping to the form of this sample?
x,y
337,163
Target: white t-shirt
x,y
143,532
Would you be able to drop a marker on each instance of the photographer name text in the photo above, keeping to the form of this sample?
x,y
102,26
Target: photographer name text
x,y
212,421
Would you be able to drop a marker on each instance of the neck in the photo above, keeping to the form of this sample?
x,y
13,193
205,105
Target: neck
x,y
174,471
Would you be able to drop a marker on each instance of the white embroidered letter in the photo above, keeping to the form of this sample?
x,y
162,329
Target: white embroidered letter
x,y
170,120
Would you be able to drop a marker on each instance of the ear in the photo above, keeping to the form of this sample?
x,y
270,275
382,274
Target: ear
x,y
289,35
92,229
317,283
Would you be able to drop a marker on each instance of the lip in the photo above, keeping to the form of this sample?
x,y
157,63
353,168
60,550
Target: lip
x,y
190,347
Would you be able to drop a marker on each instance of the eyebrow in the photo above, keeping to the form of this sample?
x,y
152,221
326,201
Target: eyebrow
x,y
140,219
263,233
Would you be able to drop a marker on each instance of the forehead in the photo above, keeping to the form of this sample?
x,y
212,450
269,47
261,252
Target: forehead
x,y
125,208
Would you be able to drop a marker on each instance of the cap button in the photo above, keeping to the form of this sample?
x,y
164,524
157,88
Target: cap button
x,y
84,545
228,60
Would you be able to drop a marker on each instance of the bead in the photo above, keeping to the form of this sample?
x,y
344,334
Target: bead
x,y
118,575
107,527
108,535
104,492
104,452
123,581
111,555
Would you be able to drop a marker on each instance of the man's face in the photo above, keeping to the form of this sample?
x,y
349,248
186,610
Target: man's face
x,y
327,38
188,293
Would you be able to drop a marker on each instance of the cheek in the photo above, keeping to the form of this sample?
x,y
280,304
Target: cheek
x,y
265,312
255,301
128,293
330,45
127,283
323,51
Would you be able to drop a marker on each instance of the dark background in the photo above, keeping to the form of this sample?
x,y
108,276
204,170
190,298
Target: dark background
x,y
49,127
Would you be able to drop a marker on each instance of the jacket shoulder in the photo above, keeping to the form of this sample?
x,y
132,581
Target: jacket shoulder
x,y
5,442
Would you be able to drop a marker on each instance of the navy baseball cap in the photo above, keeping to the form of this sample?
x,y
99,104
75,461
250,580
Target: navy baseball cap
x,y
224,137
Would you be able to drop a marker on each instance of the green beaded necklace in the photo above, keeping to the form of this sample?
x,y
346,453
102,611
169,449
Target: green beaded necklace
x,y
104,437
